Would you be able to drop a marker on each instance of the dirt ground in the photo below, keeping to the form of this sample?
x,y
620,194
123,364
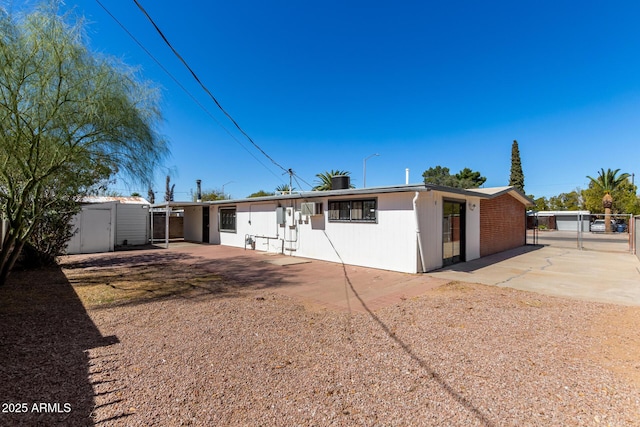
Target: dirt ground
x,y
30,307
616,328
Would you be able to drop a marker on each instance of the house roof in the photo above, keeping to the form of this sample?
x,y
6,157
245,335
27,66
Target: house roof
x,y
120,199
492,192
559,213
485,193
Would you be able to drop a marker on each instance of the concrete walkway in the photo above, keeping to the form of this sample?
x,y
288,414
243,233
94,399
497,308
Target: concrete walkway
x,y
587,275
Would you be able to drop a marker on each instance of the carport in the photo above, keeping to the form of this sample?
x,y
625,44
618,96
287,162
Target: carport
x,y
190,233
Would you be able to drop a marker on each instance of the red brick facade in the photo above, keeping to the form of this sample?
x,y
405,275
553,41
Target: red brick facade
x,y
502,224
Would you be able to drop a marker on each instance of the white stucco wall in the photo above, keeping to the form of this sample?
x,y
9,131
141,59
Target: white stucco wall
x,y
193,223
256,219
390,243
473,228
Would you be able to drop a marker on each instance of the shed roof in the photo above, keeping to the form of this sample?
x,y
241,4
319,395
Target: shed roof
x,y
120,199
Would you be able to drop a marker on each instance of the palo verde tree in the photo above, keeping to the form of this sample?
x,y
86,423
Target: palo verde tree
x,y
69,118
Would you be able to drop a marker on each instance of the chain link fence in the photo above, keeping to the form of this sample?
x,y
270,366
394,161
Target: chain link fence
x,y
583,230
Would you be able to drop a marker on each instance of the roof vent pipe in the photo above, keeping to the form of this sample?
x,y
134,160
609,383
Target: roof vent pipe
x,y
406,176
199,190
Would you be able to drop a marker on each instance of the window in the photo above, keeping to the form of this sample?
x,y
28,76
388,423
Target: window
x,y
364,210
228,219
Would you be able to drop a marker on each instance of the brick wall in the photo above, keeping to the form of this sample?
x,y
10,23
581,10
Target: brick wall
x,y
502,224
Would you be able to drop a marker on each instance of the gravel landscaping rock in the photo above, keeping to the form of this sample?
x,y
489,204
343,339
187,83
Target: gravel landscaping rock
x,y
461,354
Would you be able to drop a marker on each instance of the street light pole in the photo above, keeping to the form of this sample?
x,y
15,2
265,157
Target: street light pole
x,y
364,169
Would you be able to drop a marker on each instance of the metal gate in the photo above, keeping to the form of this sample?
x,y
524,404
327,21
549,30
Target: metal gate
x,y
587,234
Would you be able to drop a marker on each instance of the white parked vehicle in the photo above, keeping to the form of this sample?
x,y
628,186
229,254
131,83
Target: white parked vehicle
x,y
598,226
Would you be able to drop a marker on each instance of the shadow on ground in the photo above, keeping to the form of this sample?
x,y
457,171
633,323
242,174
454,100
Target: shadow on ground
x,y
45,335
133,278
479,263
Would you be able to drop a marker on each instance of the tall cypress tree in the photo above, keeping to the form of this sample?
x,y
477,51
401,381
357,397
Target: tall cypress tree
x,y
517,176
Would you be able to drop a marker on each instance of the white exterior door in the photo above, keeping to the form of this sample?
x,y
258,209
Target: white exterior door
x,y
95,231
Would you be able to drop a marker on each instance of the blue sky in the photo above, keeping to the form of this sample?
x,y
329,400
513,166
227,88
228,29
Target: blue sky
x,y
322,85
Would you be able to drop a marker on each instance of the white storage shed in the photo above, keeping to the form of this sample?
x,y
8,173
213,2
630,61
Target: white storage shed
x,y
105,223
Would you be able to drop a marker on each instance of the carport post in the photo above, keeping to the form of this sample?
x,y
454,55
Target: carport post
x,y
580,230
166,226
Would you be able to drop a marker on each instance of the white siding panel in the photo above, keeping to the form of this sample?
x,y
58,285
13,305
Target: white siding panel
x,y
132,224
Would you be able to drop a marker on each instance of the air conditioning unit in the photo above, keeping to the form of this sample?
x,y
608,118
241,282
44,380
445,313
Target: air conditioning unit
x,y
311,209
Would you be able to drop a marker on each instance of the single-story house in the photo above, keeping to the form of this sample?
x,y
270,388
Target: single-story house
x,y
561,220
107,222
407,228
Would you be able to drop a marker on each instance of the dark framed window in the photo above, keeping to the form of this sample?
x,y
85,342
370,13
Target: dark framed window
x,y
360,210
228,219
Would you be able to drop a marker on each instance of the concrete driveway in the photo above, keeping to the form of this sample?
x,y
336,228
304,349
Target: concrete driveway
x,y
611,277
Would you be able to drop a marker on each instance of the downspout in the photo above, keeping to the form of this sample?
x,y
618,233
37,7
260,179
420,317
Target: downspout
x,y
420,251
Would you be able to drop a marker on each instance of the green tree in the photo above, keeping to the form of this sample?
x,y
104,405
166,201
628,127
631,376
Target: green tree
x,y
324,179
438,176
168,192
470,179
540,203
151,195
571,201
211,195
517,176
466,178
606,185
63,112
260,193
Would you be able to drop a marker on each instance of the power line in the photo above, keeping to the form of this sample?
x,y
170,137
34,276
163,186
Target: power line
x,y
177,82
195,76
296,177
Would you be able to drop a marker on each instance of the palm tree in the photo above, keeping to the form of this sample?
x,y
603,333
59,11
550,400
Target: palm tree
x,y
607,182
324,179
284,189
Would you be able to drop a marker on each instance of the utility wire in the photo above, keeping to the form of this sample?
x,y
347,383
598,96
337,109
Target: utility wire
x,y
195,76
177,82
296,177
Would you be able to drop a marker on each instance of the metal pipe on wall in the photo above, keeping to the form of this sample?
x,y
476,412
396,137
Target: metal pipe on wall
x,y
420,251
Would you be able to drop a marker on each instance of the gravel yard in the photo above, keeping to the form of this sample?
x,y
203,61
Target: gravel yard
x,y
460,354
